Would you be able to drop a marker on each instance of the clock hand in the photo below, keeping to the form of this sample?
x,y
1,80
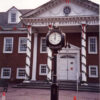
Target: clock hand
x,y
55,37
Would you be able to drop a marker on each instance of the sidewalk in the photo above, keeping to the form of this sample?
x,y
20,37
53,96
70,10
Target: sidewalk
x,y
40,94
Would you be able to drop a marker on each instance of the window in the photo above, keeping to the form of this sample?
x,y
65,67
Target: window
x,y
93,71
43,69
6,73
13,17
22,45
8,45
20,73
92,43
43,48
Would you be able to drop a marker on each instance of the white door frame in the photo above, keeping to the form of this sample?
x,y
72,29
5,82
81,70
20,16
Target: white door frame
x,y
73,50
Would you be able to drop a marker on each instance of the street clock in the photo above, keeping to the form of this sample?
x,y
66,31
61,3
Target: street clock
x,y
55,39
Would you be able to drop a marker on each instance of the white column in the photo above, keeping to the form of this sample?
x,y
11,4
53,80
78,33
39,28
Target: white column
x,y
28,53
49,63
34,56
83,53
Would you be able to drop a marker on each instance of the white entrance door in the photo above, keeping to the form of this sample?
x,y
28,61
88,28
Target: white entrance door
x,y
66,67
71,72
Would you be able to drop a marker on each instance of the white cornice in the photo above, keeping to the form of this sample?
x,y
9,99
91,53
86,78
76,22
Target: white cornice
x,y
62,21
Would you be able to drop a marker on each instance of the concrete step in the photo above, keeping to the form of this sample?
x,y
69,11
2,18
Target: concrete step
x,y
63,85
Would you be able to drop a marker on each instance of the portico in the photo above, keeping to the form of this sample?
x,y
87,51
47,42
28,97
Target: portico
x,y
74,58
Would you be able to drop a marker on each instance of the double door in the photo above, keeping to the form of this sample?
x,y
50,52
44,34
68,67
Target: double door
x,y
66,67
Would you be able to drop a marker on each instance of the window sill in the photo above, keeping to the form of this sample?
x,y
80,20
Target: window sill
x,y
5,77
94,53
7,52
20,78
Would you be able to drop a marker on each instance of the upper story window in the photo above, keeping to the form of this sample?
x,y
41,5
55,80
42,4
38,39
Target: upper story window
x,y
13,17
6,73
43,48
22,45
20,73
93,71
8,45
92,45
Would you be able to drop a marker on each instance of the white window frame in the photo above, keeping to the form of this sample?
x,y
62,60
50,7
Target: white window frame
x,y
10,15
91,52
15,17
40,69
41,45
19,51
93,76
17,75
4,51
5,77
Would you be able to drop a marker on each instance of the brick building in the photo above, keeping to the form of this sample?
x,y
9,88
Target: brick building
x,y
23,46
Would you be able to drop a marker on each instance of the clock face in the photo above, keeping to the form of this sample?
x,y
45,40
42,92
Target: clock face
x,y
55,38
67,10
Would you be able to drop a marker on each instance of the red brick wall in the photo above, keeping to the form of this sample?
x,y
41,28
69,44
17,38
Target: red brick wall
x,y
16,59
93,59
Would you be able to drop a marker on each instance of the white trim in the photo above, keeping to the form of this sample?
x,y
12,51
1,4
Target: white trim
x,y
5,77
5,42
93,66
35,47
91,52
49,63
28,53
19,51
17,75
40,69
13,32
41,45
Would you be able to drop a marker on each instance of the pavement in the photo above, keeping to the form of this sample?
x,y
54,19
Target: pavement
x,y
43,94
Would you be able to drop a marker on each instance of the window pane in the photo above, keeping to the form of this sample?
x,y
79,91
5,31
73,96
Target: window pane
x,y
13,17
6,72
23,44
93,71
21,73
44,48
92,44
43,69
8,44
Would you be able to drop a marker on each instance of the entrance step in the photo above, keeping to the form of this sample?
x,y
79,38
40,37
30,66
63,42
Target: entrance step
x,y
63,85
34,85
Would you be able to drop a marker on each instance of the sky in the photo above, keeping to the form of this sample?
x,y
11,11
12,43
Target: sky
x,y
24,4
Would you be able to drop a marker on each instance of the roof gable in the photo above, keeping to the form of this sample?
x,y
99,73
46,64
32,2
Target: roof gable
x,y
13,9
55,8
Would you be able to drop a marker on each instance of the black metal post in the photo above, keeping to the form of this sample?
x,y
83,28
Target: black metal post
x,y
54,86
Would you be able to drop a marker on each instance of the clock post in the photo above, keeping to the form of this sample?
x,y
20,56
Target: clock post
x,y
55,40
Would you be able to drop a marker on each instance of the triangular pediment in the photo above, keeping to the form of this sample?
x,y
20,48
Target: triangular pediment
x,y
72,47
55,8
